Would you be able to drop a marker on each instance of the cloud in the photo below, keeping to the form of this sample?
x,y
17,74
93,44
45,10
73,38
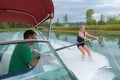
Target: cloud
x,y
76,9
111,3
105,4
69,1
96,15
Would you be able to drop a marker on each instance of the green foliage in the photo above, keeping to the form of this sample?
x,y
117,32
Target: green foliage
x,y
93,27
89,14
65,19
89,17
57,23
94,22
104,27
73,28
5,25
102,20
112,20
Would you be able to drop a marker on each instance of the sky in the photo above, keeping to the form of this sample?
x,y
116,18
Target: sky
x,y
76,9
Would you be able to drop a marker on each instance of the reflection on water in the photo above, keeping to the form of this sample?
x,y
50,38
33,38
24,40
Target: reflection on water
x,y
119,42
111,48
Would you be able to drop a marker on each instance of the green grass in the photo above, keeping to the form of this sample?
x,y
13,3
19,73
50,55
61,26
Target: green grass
x,y
104,27
75,28
93,27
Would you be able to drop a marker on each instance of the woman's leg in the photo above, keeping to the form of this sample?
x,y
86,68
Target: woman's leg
x,y
88,51
83,52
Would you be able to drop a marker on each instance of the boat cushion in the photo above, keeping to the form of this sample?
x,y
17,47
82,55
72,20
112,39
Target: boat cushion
x,y
1,54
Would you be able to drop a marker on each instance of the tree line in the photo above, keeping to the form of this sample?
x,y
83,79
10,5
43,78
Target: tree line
x,y
108,20
7,25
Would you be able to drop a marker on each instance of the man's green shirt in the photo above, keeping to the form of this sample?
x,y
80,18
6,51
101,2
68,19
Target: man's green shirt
x,y
20,58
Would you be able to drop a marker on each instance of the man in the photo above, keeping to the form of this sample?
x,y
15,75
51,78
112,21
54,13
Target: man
x,y
22,57
81,37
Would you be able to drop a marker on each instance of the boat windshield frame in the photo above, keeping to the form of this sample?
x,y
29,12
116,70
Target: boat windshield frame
x,y
11,76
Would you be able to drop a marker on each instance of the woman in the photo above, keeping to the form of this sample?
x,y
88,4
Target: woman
x,y
81,37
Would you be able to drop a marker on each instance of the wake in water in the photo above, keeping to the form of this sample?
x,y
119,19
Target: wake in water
x,y
84,70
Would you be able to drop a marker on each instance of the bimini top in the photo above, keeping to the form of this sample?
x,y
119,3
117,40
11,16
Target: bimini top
x,y
26,11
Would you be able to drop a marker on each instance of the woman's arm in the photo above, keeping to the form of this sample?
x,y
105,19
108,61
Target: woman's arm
x,y
91,35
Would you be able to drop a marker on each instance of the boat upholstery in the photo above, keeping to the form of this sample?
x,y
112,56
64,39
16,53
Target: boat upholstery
x,y
4,63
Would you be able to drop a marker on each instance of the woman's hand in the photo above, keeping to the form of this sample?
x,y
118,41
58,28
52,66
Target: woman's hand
x,y
89,40
96,37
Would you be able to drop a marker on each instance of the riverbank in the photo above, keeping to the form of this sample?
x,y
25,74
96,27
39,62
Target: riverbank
x,y
15,29
93,29
104,32
92,32
107,32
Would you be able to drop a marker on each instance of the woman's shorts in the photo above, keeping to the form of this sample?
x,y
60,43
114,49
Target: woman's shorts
x,y
81,44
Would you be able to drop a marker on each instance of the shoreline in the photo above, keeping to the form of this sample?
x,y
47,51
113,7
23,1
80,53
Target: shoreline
x,y
104,32
117,32
92,32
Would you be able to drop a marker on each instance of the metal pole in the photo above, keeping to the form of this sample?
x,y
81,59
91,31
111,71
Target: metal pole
x,y
40,32
49,29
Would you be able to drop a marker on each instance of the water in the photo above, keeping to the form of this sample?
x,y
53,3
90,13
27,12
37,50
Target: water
x,y
102,56
111,50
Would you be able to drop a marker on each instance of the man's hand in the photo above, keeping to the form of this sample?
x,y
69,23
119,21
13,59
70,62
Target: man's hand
x,y
36,55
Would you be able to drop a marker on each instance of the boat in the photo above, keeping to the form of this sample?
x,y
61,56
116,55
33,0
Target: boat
x,y
34,12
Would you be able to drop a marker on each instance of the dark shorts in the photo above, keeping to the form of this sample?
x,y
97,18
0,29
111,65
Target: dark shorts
x,y
81,44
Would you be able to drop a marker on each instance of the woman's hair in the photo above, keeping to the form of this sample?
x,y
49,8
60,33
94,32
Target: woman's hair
x,y
28,33
82,26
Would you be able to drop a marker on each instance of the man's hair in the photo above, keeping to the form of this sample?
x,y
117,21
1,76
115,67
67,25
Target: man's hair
x,y
28,33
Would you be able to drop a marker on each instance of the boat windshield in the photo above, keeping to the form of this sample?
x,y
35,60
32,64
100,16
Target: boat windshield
x,y
49,67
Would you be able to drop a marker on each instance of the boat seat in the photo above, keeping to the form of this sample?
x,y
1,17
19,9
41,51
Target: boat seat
x,y
4,63
4,76
1,56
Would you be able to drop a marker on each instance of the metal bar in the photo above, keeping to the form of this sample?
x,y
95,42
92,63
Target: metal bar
x,y
40,33
49,30
73,45
9,10
22,41
43,20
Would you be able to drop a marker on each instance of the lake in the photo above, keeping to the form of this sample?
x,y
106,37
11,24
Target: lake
x,y
111,48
